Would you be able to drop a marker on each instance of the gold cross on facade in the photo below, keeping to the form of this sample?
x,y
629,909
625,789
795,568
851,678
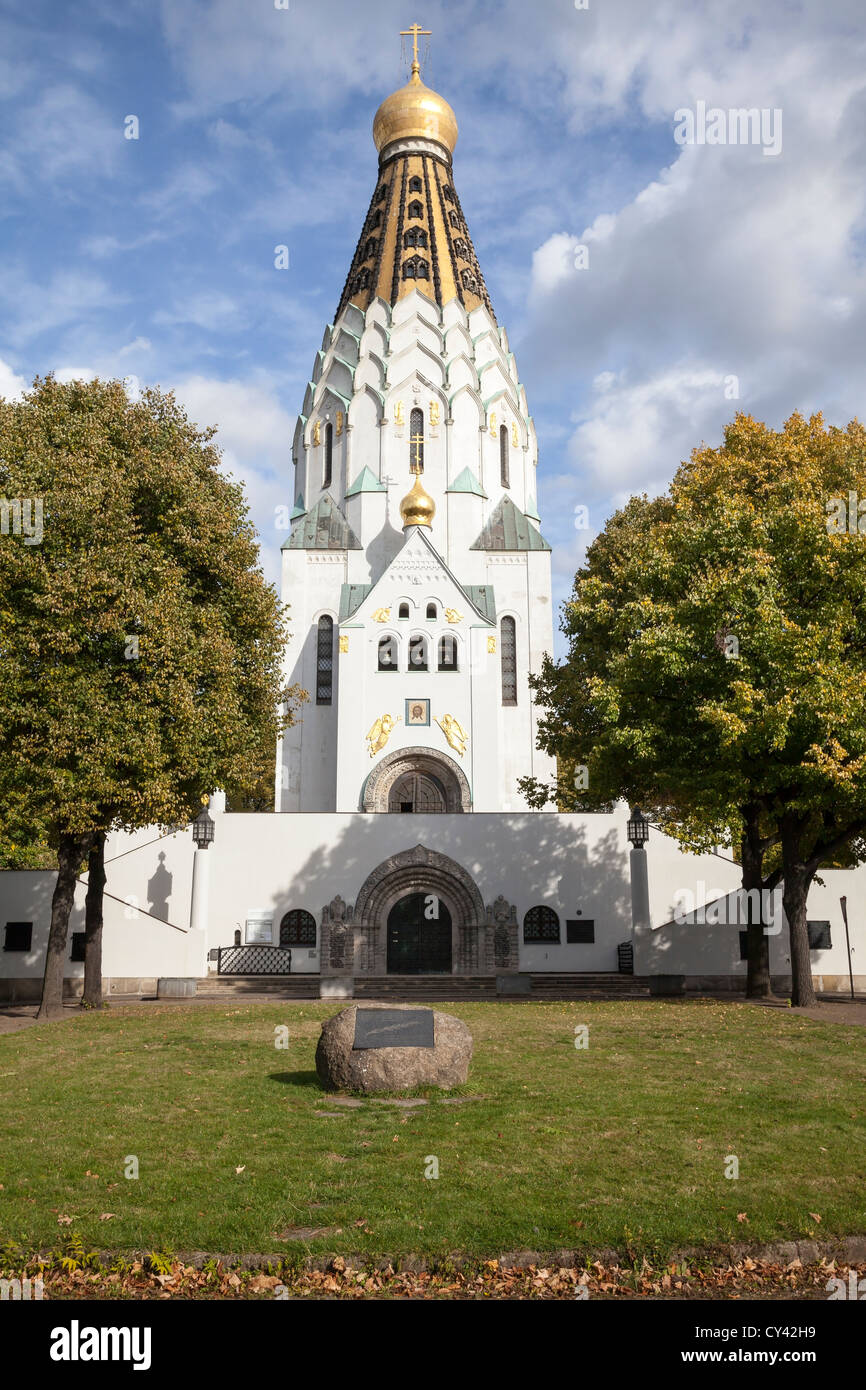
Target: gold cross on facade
x,y
416,453
414,30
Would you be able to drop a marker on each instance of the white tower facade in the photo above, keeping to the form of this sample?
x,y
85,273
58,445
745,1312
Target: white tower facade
x,y
417,578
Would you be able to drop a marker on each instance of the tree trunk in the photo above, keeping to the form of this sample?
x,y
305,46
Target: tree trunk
x,y
70,852
758,984
92,998
798,881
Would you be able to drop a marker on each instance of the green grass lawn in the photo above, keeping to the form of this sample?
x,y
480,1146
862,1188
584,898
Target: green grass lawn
x,y
623,1144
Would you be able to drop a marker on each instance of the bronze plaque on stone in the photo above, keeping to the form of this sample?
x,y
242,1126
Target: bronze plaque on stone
x,y
393,1028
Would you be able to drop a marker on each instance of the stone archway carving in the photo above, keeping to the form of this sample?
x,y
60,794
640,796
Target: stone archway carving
x,y
448,773
420,870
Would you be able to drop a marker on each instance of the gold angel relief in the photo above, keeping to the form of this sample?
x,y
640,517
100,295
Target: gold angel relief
x,y
398,414
434,413
514,439
381,732
317,433
454,732
381,615
453,616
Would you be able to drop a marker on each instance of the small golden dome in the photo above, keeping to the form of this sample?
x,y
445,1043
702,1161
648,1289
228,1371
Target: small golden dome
x,y
417,507
415,112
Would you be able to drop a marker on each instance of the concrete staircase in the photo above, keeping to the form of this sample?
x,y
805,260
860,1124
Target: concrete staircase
x,y
274,986
590,986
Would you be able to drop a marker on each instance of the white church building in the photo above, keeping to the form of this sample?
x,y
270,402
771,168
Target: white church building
x,y
400,853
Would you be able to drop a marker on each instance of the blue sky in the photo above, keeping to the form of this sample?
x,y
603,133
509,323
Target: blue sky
x,y
154,257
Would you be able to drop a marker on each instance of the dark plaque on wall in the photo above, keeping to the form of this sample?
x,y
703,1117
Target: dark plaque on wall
x,y
393,1028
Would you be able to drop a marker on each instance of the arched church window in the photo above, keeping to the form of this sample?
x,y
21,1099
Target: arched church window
x,y
370,248
298,928
404,611
453,218
416,440
469,281
415,184
375,219
380,196
508,660
448,652
416,236
418,653
388,654
415,209
415,268
325,661
503,456
329,455
541,924
460,247
431,610
448,193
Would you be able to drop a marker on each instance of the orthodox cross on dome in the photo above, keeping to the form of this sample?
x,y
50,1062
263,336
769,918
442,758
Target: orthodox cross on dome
x,y
413,31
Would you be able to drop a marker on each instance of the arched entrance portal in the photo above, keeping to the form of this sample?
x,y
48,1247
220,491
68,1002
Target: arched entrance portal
x,y
417,779
419,936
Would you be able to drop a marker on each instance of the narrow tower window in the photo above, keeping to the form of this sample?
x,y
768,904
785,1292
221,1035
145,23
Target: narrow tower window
x,y
387,654
404,611
416,441
329,455
508,658
370,248
415,184
415,209
416,236
448,653
325,661
418,653
503,456
431,610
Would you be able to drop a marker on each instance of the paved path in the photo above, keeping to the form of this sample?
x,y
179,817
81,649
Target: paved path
x,y
825,1011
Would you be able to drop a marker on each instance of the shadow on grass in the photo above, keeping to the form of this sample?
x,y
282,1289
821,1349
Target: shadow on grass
x,y
297,1078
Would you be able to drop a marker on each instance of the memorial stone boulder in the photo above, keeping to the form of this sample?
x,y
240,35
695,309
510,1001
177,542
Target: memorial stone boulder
x,y
379,1047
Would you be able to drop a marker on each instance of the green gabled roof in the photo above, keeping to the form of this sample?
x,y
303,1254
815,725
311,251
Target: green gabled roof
x,y
366,481
322,528
299,509
467,482
483,597
509,529
351,598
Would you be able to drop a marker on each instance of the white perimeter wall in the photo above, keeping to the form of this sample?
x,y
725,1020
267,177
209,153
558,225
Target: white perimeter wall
x,y
266,864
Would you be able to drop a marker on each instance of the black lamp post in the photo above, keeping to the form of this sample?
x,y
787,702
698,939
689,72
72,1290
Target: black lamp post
x,y
637,828
202,829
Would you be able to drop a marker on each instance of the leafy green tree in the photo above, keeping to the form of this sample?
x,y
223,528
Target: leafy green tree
x,y
717,655
141,647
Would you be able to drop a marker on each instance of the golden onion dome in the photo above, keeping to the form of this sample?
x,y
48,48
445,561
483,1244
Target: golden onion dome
x,y
415,112
417,507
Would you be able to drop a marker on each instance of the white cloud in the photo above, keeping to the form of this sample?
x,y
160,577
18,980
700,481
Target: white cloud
x,y
12,386
254,432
